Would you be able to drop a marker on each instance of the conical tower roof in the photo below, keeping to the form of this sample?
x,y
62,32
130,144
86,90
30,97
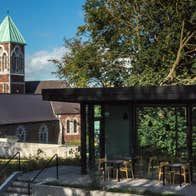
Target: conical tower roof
x,y
9,32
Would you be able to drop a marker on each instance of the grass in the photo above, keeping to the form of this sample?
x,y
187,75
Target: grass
x,y
74,143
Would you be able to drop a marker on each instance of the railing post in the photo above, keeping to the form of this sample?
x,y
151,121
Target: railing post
x,y
29,188
57,166
19,165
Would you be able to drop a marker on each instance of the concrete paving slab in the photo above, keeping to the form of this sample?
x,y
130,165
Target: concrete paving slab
x,y
70,175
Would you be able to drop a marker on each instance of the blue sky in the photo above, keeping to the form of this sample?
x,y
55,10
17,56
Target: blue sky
x,y
44,24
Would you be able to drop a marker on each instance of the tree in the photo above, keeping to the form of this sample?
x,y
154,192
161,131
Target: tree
x,y
162,130
87,65
136,42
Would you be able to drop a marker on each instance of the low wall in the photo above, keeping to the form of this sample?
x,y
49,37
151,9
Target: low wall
x,y
28,150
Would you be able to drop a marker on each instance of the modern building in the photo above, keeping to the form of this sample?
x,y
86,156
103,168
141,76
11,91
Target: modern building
x,y
118,136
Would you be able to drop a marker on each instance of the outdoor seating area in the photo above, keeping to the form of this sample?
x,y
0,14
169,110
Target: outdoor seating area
x,y
115,168
70,176
166,172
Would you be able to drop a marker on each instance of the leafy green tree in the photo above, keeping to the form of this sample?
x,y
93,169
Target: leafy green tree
x,y
162,130
87,65
134,42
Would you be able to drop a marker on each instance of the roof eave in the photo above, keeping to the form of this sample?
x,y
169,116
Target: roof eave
x,y
13,42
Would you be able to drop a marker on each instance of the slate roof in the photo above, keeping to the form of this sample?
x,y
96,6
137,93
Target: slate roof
x,y
65,108
24,108
9,32
35,87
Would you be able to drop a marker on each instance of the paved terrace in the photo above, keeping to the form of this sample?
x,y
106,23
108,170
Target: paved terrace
x,y
71,175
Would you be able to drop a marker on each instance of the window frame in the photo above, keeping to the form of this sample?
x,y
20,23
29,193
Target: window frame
x,y
21,134
71,126
43,134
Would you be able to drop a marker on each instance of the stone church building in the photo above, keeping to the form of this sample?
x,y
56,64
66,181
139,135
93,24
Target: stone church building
x,y
23,113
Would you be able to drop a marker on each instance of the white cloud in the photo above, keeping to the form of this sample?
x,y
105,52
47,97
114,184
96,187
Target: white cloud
x,y
38,66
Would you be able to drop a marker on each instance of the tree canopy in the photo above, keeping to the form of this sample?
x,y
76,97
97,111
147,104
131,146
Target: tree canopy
x,y
132,42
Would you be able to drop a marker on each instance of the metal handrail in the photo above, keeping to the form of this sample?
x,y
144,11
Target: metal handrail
x,y
2,169
42,169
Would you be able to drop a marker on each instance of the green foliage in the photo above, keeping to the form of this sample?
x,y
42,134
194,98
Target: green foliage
x,y
97,111
157,131
87,65
73,143
133,42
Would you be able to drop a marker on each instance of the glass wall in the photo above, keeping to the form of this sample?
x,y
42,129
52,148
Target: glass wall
x,y
97,127
162,134
194,141
92,112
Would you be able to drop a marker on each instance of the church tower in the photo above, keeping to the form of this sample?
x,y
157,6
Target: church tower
x,y
12,58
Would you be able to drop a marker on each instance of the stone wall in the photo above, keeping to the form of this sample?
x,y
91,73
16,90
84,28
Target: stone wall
x,y
29,150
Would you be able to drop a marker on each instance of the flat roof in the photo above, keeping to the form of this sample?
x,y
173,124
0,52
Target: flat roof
x,y
148,94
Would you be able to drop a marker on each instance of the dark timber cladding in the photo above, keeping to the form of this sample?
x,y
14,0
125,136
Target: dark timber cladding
x,y
91,136
173,94
83,138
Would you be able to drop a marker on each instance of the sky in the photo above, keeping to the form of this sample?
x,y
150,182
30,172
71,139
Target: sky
x,y
44,24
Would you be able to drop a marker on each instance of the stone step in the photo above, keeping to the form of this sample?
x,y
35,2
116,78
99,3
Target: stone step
x,y
21,184
15,189
21,178
14,194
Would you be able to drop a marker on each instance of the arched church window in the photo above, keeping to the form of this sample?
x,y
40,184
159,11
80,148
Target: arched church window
x,y
21,134
5,88
1,51
1,66
4,62
17,60
75,126
20,64
43,134
14,61
68,126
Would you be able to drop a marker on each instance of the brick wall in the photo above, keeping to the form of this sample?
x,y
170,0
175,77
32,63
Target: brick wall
x,y
4,78
4,83
70,137
6,46
32,131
